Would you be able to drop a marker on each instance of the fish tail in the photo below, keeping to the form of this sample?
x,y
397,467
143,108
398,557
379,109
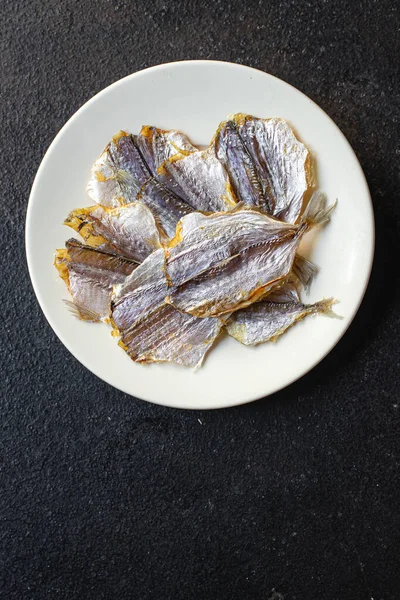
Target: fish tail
x,y
324,307
317,213
305,271
82,312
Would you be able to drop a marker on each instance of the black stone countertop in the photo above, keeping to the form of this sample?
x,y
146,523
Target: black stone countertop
x,y
292,497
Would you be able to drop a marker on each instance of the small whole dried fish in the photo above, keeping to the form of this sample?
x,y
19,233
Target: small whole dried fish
x,y
90,274
150,329
219,263
267,320
129,230
121,176
269,168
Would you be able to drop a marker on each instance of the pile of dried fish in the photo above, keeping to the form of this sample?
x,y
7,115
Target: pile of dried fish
x,y
183,243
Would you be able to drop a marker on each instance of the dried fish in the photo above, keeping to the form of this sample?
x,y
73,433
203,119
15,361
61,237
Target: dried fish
x,y
267,320
140,293
269,168
223,262
183,242
200,179
129,230
90,274
158,146
152,331
167,335
303,273
121,176
78,221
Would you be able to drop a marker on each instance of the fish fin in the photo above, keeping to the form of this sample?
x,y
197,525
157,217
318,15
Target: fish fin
x,y
123,176
305,271
81,312
325,307
237,207
322,307
317,212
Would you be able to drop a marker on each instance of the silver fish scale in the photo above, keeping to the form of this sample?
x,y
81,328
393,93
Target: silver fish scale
x,y
152,330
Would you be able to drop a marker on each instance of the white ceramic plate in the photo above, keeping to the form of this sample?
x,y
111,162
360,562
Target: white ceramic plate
x,y
194,96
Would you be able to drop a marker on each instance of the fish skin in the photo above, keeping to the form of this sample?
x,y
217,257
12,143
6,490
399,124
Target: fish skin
x,y
168,335
150,329
201,180
166,207
269,319
129,230
159,145
142,291
90,275
121,176
219,263
269,168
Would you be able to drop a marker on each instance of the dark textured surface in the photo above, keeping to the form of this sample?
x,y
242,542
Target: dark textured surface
x,y
105,496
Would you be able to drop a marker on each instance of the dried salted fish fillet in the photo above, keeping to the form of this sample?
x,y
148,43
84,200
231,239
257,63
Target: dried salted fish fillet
x,y
267,320
223,262
90,274
129,230
200,179
269,168
121,175
236,264
152,331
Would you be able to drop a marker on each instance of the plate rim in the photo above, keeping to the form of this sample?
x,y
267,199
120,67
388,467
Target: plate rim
x,y
217,404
